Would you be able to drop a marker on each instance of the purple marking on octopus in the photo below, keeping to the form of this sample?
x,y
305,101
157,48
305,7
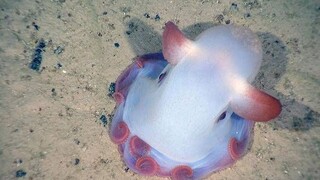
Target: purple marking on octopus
x,y
190,110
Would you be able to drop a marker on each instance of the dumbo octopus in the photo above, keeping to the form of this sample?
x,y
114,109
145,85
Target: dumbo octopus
x,y
190,110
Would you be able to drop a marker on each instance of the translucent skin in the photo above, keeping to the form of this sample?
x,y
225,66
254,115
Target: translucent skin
x,y
144,159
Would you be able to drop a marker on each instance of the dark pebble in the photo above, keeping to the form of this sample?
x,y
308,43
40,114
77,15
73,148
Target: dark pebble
x,y
37,55
227,21
247,15
59,65
132,27
219,18
77,141
58,50
157,18
234,7
20,173
36,27
112,88
146,15
116,45
76,161
53,92
104,120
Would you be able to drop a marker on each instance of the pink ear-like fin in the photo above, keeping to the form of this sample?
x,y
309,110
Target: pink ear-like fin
x,y
174,43
255,105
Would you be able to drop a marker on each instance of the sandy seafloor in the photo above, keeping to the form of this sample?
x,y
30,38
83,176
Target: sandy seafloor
x,y
50,124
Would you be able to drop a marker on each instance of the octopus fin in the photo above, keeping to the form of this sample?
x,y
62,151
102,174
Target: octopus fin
x,y
255,105
175,44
